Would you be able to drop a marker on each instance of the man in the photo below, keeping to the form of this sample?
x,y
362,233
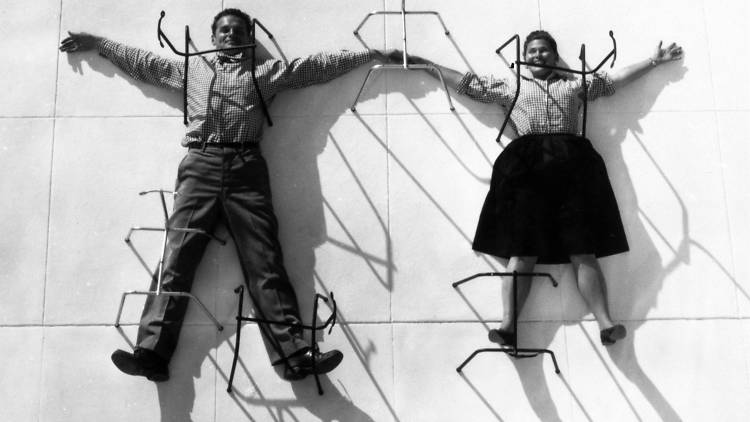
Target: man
x,y
224,176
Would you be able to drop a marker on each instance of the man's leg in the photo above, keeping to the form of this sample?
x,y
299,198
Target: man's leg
x,y
251,220
195,206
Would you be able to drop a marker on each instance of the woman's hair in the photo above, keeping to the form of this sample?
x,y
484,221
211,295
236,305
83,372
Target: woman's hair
x,y
540,35
232,12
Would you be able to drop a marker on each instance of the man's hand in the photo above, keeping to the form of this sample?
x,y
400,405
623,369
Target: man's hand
x,y
671,53
78,41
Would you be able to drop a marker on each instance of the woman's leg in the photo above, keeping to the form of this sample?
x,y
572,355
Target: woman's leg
x,y
520,264
592,287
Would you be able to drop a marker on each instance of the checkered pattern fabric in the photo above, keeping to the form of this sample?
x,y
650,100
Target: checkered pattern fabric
x,y
223,105
543,106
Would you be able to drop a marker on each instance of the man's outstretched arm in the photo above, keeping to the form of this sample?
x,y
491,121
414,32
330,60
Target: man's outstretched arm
x,y
485,89
139,64
322,67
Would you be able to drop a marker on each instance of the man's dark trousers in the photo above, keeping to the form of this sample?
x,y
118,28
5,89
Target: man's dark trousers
x,y
231,183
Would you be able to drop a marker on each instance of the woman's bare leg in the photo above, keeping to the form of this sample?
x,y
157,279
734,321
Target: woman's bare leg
x,y
520,264
594,291
592,287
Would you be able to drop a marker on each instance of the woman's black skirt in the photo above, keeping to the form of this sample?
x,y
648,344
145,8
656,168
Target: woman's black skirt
x,y
550,197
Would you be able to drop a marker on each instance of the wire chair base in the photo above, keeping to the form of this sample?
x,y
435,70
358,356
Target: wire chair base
x,y
405,64
166,229
330,322
511,350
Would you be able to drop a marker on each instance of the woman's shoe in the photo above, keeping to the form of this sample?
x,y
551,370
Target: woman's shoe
x,y
610,335
501,336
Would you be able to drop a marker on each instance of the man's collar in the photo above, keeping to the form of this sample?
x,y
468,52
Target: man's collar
x,y
223,57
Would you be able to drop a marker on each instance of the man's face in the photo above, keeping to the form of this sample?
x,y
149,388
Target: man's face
x,y
540,52
230,31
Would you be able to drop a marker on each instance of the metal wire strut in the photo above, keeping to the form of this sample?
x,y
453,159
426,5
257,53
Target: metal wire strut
x,y
329,323
513,349
187,54
166,229
405,65
583,72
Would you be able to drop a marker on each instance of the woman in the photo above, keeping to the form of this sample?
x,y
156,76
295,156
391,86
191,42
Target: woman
x,y
550,200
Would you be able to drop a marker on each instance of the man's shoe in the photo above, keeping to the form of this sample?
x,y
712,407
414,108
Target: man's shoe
x,y
610,335
142,362
504,337
309,362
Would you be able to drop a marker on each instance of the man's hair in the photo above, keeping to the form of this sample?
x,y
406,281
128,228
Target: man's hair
x,y
540,35
232,12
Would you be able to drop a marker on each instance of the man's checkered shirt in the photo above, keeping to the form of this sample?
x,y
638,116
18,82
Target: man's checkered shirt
x,y
543,106
223,105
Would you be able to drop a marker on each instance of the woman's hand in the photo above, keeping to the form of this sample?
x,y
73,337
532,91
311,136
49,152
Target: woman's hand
x,y
78,41
671,53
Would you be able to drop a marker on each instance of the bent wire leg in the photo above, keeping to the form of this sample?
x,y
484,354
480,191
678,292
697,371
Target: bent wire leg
x,y
315,343
239,290
536,352
369,72
176,294
476,352
431,12
373,13
513,353
445,87
513,350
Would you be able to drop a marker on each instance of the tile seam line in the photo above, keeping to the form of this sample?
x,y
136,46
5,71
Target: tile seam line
x,y
40,381
732,243
539,12
725,194
385,117
416,322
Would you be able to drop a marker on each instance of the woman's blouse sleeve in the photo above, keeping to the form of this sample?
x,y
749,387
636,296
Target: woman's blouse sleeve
x,y
486,89
598,85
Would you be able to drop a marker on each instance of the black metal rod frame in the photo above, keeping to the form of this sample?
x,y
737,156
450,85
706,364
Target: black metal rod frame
x,y
405,55
161,36
329,323
583,72
512,350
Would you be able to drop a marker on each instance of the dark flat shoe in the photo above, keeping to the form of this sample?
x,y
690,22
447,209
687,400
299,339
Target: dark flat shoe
x,y
610,335
504,337
141,362
307,363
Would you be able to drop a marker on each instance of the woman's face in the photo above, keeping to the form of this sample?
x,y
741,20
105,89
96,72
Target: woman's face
x,y
540,52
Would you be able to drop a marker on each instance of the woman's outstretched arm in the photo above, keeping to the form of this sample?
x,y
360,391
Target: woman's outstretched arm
x,y
627,74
